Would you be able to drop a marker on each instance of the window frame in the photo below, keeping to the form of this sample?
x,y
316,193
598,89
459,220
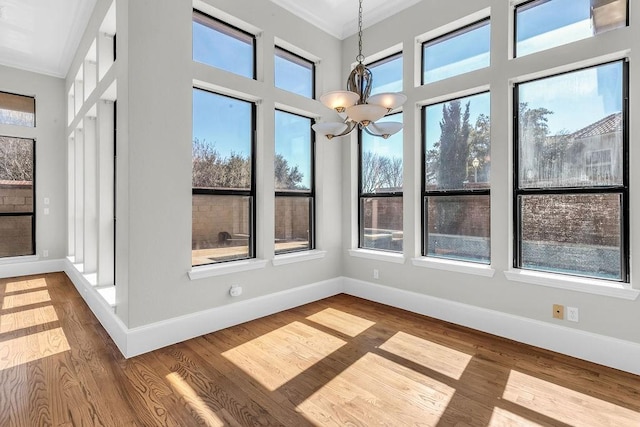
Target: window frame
x,y
622,190
233,29
424,238
297,59
447,36
250,193
32,214
311,193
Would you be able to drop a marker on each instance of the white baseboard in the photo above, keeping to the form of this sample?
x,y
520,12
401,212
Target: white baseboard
x,y
27,268
612,352
157,335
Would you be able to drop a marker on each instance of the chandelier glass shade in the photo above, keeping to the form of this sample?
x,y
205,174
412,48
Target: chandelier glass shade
x,y
356,106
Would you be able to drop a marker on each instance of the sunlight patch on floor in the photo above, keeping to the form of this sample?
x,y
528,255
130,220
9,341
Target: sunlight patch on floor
x,y
195,402
29,348
439,358
20,300
564,404
342,322
503,418
379,391
25,285
277,357
27,318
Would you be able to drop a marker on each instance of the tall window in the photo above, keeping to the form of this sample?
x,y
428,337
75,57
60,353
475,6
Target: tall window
x,y
458,52
17,196
223,218
293,73
571,192
543,24
223,46
294,183
381,171
457,170
17,110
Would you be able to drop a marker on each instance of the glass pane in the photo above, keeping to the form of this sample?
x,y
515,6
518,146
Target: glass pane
x,y
221,228
545,24
222,46
293,224
381,165
575,234
222,141
17,110
293,73
16,236
293,152
457,53
459,227
570,129
16,174
381,222
387,75
458,144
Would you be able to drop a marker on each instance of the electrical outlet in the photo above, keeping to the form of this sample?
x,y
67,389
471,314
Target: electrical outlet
x,y
376,275
558,311
573,314
45,253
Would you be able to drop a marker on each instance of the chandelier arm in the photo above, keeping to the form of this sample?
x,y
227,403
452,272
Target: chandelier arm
x,y
350,128
366,129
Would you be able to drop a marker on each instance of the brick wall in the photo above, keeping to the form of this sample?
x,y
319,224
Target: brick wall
x,y
16,231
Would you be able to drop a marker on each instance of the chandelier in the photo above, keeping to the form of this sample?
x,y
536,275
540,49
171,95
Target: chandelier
x,y
356,106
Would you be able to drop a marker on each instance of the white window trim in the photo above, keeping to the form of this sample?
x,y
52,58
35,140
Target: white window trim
x,y
19,259
453,265
573,283
293,257
396,258
221,269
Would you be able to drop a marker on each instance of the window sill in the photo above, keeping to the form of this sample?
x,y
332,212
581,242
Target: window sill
x,y
293,257
377,255
226,268
579,284
17,259
456,266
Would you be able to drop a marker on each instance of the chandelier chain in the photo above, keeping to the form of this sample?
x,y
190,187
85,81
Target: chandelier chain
x,y
360,57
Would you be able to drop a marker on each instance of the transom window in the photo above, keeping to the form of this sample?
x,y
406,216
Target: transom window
x,y
17,110
223,46
571,185
457,52
543,24
294,73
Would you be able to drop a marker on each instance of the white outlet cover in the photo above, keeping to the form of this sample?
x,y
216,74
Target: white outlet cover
x,y
573,314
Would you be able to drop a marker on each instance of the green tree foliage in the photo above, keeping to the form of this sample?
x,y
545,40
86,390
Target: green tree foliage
x,y
287,177
16,159
454,145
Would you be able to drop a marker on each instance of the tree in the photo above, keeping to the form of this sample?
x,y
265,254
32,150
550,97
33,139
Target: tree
x,y
533,130
480,148
287,177
454,145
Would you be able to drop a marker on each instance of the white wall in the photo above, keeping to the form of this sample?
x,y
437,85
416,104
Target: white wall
x,y
155,76
613,317
50,152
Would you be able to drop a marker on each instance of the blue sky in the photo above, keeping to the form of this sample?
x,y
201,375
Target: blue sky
x,y
293,142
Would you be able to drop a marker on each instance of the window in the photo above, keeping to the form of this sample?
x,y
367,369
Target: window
x,y
457,171
294,202
458,52
17,195
294,73
543,24
380,168
223,178
223,46
17,110
571,184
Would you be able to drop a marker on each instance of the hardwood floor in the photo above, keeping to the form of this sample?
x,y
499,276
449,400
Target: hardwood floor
x,y
340,361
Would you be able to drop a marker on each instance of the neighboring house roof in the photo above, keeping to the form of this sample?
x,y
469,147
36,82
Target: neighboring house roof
x,y
610,124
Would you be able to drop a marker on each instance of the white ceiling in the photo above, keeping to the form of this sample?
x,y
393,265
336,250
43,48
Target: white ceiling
x,y
43,35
